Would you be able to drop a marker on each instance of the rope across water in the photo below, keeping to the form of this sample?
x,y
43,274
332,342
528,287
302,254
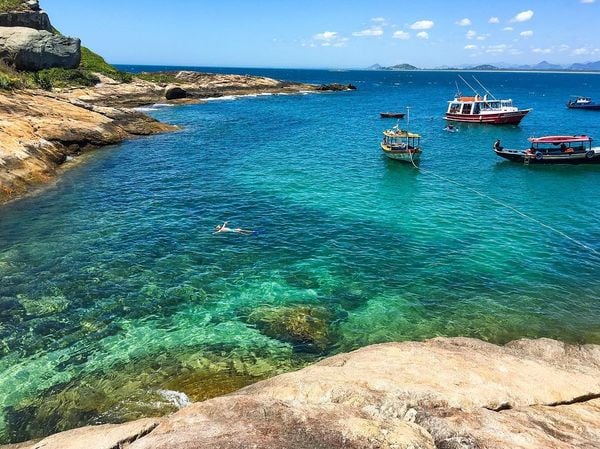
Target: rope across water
x,y
503,204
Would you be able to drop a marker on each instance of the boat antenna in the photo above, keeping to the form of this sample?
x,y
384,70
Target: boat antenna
x,y
485,88
458,94
472,88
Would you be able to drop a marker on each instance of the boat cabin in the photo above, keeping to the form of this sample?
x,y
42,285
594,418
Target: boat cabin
x,y
580,100
560,144
477,105
397,139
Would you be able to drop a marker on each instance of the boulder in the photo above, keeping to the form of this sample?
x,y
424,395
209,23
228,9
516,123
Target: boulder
x,y
175,92
30,19
29,49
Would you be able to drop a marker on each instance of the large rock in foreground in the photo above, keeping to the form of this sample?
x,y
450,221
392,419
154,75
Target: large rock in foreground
x,y
30,49
454,393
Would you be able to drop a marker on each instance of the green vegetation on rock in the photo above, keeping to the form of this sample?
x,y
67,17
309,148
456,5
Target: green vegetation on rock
x,y
83,76
10,5
94,63
159,77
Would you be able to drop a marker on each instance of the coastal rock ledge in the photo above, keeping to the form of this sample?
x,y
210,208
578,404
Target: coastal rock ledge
x,y
445,393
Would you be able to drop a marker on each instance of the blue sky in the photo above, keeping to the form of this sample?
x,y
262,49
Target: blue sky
x,y
335,34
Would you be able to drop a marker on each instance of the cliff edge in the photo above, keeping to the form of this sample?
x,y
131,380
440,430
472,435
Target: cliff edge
x,y
445,393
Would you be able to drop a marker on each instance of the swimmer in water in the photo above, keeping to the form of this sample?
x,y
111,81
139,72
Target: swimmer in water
x,y
224,228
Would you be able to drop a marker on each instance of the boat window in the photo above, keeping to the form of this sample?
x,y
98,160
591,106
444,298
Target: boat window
x,y
476,108
454,108
466,108
507,103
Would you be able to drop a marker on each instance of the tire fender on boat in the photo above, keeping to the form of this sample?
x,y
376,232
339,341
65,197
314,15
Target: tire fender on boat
x,y
590,154
539,156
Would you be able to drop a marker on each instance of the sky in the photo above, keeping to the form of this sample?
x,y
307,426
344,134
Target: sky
x,y
332,33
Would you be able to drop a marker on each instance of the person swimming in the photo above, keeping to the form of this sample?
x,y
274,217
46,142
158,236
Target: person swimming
x,y
225,228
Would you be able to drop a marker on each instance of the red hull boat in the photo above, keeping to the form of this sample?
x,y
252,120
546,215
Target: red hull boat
x,y
500,118
484,109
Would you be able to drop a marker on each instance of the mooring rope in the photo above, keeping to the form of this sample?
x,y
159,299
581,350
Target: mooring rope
x,y
508,206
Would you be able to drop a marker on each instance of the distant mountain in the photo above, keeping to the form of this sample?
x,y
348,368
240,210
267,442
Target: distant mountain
x,y
400,67
543,65
586,66
484,67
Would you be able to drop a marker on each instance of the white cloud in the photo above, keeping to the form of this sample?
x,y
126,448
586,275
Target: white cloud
x,y
470,34
373,31
381,20
464,22
523,16
542,51
483,37
581,51
422,25
496,49
326,35
588,1
527,33
401,35
494,20
563,47
470,47
330,39
423,35
507,29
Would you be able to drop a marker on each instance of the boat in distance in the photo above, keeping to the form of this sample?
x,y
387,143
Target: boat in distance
x,y
553,150
401,145
583,103
483,108
391,114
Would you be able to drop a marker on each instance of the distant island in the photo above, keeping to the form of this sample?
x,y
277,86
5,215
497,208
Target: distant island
x,y
541,66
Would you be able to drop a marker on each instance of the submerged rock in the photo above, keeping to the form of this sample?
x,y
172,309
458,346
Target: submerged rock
x,y
30,49
303,325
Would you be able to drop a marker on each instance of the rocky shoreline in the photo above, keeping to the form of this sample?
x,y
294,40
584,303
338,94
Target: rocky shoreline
x,y
445,393
40,131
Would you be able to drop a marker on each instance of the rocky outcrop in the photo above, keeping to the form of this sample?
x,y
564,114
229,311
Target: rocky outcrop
x,y
39,130
446,393
34,140
28,14
197,86
336,87
30,49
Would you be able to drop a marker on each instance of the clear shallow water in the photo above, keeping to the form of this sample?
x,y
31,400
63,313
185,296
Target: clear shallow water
x,y
114,289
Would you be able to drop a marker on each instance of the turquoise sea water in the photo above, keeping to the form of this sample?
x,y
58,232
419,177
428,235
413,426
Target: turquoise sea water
x,y
115,293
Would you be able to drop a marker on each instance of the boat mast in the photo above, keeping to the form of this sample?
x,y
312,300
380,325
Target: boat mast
x,y
485,88
472,88
407,125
